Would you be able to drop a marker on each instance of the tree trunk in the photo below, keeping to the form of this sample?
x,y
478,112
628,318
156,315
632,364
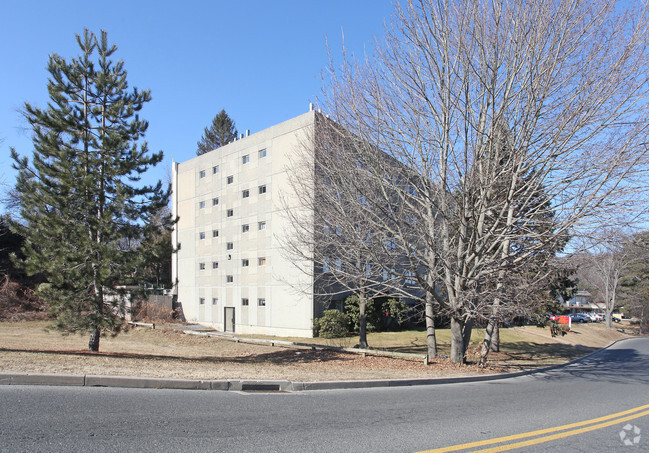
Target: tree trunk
x,y
495,338
466,335
609,317
457,340
491,341
431,340
93,344
362,323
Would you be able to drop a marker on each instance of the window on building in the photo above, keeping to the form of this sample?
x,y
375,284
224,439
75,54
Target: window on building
x,y
201,205
262,153
229,278
215,201
215,264
201,301
261,302
244,302
201,235
262,189
409,278
245,228
201,266
262,225
261,261
201,174
245,193
215,169
229,246
215,233
245,263
215,300
230,179
230,212
245,159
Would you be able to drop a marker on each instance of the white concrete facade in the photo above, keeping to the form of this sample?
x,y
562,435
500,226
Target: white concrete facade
x,y
230,204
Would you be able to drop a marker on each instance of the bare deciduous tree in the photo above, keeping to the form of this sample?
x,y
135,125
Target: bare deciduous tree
x,y
604,265
482,106
334,232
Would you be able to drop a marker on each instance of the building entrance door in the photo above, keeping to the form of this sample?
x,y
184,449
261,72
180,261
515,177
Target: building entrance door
x,y
228,319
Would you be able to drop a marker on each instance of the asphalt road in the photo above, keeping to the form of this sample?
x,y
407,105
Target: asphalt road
x,y
369,420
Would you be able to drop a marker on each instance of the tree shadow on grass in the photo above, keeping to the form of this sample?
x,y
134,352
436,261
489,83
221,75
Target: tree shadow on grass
x,y
279,357
533,351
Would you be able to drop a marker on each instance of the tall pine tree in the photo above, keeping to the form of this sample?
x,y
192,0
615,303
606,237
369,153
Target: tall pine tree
x,y
221,132
81,196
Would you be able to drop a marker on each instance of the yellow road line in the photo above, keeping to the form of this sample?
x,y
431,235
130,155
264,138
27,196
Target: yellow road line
x,y
544,431
561,435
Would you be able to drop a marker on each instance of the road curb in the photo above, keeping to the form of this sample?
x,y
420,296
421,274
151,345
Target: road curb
x,y
255,385
242,385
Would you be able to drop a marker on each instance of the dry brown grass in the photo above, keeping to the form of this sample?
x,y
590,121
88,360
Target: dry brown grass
x,y
166,352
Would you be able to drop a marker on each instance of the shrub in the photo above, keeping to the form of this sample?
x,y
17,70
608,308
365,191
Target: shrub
x,y
381,314
332,324
152,312
19,302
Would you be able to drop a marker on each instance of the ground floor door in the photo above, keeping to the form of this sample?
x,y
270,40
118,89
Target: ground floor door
x,y
228,319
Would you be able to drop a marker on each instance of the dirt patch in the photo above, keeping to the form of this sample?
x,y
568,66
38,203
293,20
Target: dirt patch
x,y
166,352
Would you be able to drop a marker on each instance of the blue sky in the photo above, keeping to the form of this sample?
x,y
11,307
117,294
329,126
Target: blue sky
x,y
260,60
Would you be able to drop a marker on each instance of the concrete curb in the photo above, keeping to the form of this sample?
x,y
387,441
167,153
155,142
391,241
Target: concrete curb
x,y
253,385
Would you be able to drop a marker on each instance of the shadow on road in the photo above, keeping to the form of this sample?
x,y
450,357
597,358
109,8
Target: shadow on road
x,y
616,365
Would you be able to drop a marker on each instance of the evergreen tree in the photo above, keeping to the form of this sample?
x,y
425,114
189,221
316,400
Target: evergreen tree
x,y
221,132
81,198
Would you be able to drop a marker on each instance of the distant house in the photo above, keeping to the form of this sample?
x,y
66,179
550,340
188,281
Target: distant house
x,y
582,302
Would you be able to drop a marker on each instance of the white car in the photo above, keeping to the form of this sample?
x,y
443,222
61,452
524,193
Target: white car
x,y
596,317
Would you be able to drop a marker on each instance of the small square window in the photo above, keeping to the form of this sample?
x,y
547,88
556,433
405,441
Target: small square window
x,y
215,169
244,302
262,189
245,263
230,212
262,225
230,179
201,266
229,278
201,205
261,302
215,264
215,300
229,246
201,301
201,235
262,153
245,159
201,174
261,261
245,193
215,233
215,201
245,228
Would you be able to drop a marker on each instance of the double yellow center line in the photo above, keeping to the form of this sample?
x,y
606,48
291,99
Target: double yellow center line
x,y
549,434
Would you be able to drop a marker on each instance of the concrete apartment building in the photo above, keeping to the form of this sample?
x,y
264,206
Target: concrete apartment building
x,y
230,267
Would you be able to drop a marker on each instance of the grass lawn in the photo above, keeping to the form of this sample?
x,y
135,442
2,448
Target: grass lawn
x,y
166,352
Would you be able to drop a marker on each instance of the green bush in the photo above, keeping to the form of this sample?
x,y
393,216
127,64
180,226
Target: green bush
x,y
332,324
376,310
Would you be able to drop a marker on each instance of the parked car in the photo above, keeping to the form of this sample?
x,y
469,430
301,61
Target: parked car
x,y
595,317
579,317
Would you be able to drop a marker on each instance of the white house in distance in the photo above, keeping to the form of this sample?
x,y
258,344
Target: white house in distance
x,y
230,270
